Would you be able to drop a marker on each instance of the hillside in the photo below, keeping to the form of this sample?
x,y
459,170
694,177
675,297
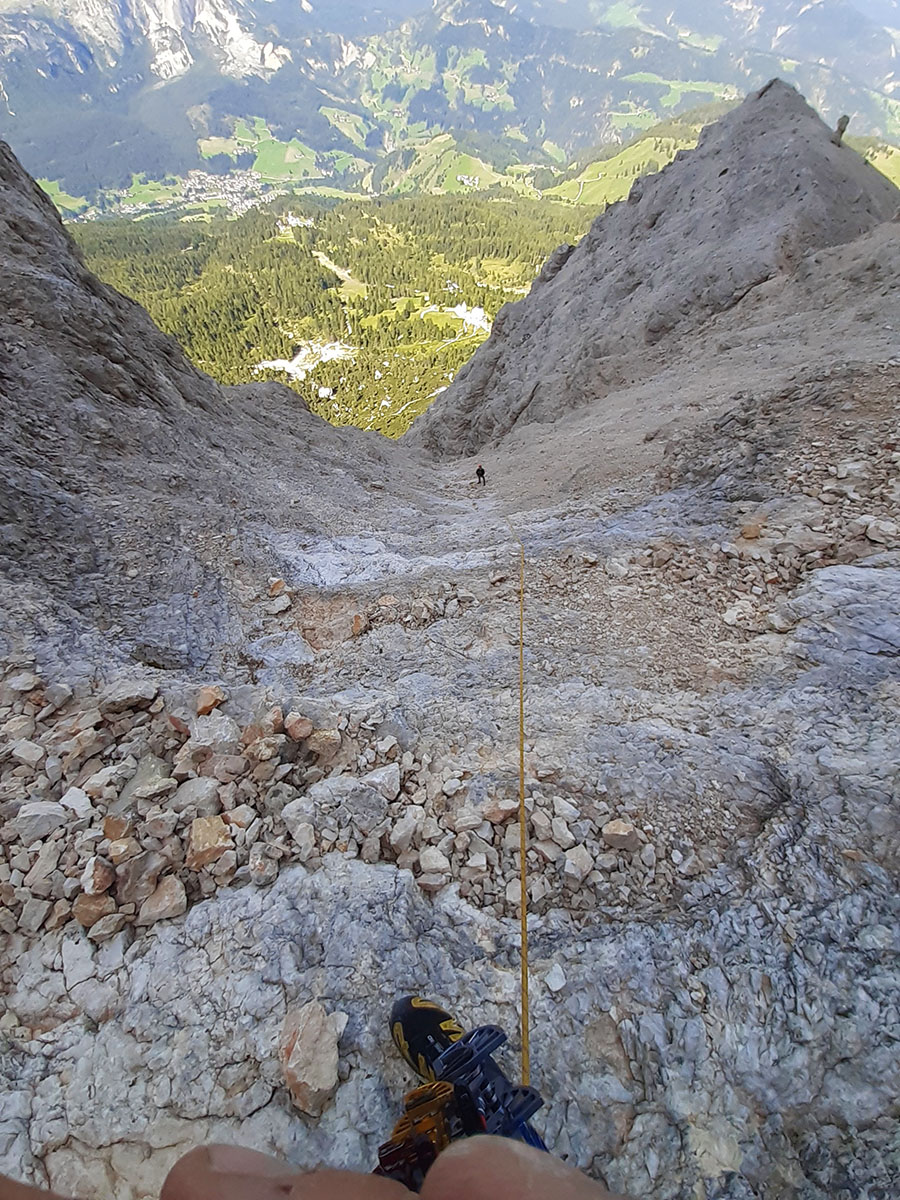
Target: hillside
x,y
98,94
366,309
112,440
598,321
259,711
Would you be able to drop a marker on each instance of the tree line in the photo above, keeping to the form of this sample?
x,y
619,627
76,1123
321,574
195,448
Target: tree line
x,y
236,292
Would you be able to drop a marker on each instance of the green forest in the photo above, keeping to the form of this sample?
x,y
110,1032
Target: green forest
x,y
375,304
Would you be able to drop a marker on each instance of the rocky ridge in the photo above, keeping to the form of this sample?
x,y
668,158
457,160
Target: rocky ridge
x,y
774,187
130,476
213,869
176,35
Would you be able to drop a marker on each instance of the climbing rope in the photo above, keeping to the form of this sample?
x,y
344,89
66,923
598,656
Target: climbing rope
x,y
523,881
523,876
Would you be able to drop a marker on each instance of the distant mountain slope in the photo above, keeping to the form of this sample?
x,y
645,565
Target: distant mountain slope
x,y
121,458
860,40
95,90
765,186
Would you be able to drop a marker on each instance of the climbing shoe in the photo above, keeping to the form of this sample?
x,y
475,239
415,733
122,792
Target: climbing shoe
x,y
422,1030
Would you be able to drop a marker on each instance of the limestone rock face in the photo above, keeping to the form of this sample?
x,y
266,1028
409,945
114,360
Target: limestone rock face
x,y
764,187
126,465
175,34
340,802
697,1012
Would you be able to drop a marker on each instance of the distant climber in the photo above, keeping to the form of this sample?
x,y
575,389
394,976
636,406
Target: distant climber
x,y
479,472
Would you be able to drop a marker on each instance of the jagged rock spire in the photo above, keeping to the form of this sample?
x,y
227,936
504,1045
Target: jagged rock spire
x,y
764,186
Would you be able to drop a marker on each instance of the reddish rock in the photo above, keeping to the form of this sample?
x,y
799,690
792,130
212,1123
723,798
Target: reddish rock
x,y
88,910
324,744
500,809
121,849
308,1050
242,816
62,911
209,839
115,828
316,638
107,927
267,725
298,727
273,722
209,698
266,748
98,876
621,835
136,878
190,759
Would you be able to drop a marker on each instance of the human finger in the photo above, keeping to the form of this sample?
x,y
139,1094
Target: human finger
x,y
10,1190
493,1168
233,1173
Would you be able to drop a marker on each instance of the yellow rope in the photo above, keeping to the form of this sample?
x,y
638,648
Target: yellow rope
x,y
523,880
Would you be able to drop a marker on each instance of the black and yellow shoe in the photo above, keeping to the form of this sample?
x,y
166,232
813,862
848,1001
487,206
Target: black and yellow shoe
x,y
422,1030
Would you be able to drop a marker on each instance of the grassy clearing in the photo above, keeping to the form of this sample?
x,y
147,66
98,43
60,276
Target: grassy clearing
x,y
499,272
469,59
246,137
333,193
279,160
678,87
68,205
884,157
350,287
622,15
461,167
151,191
632,120
351,125
609,180
556,152
887,160
711,42
440,168
211,146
